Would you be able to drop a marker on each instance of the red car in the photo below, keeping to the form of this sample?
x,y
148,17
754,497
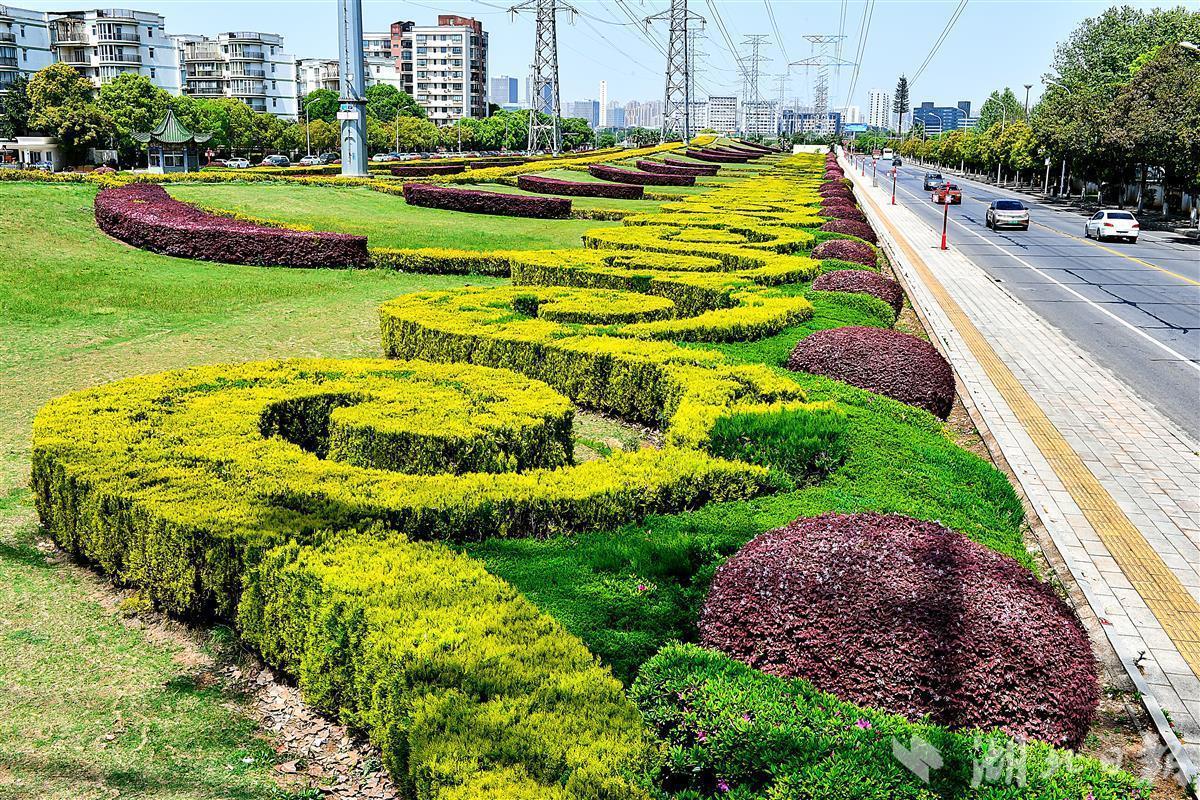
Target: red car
x,y
948,192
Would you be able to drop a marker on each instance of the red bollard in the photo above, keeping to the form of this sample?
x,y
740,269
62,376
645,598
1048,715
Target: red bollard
x,y
945,217
895,171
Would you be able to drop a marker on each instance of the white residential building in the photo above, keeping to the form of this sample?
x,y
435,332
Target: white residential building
x,y
377,45
723,114
444,66
879,109
324,73
758,119
850,114
105,43
602,122
245,65
24,44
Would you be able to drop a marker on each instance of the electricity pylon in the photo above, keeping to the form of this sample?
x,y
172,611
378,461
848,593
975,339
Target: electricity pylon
x,y
545,135
677,100
822,59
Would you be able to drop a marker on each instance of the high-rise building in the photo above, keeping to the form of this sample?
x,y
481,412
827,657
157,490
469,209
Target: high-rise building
x,y
616,116
879,109
24,44
377,45
758,119
325,73
723,113
850,114
444,66
602,120
698,111
503,90
244,65
584,109
939,119
105,43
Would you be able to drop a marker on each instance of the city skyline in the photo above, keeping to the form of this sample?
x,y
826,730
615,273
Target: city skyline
x,y
604,44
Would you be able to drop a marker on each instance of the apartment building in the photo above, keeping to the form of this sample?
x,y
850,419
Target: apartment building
x,y
105,43
24,44
759,119
879,109
377,45
444,66
245,65
325,73
723,114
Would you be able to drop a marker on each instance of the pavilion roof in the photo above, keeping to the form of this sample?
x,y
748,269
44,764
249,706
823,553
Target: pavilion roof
x,y
170,131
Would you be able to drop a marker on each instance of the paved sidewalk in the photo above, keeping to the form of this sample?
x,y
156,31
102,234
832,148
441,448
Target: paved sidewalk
x,y
1116,484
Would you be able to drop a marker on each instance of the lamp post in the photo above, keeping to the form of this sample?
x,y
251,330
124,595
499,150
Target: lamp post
x,y
895,172
307,134
1028,86
1062,177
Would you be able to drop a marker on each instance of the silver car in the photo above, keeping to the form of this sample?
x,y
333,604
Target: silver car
x,y
1112,224
1007,214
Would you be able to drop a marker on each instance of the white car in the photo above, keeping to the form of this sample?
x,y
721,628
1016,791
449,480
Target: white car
x,y
310,161
1112,223
237,163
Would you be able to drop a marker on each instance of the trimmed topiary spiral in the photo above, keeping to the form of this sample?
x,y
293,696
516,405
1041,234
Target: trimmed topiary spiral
x,y
852,228
846,250
860,280
886,362
907,616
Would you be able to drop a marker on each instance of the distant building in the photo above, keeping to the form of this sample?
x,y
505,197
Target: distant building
x,y
722,113
244,65
24,44
105,43
850,114
503,90
616,116
698,111
444,66
807,121
939,119
325,73
758,119
377,45
602,116
584,109
879,109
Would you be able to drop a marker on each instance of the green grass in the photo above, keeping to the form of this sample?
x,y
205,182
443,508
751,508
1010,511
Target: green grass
x,y
385,219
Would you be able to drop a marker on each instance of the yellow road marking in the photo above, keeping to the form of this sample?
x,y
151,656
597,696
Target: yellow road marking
x,y
1167,598
1163,270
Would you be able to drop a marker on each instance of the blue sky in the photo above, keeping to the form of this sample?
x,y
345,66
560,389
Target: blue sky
x,y
994,42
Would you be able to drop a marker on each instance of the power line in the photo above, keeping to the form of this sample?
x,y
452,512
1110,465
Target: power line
x,y
775,27
864,29
962,5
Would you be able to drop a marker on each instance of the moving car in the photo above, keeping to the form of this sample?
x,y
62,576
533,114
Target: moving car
x,y
947,193
237,163
276,161
933,180
1007,214
1112,224
897,162
310,161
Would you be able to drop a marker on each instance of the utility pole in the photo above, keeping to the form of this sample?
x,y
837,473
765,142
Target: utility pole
x,y
751,69
544,77
822,59
353,104
677,99
783,82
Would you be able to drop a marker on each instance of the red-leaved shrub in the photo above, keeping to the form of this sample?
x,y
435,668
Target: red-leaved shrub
x,y
474,202
425,170
843,211
145,216
834,187
542,185
851,228
708,155
883,361
860,280
910,617
670,169
846,250
709,169
605,172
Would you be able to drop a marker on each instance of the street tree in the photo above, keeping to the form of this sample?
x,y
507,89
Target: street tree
x,y
1101,49
385,102
1000,107
15,108
60,105
900,102
321,104
133,103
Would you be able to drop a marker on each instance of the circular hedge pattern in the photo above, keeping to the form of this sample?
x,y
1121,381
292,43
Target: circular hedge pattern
x,y
852,228
846,250
860,280
907,616
883,361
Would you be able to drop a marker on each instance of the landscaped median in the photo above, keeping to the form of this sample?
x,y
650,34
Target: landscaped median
x,y
413,539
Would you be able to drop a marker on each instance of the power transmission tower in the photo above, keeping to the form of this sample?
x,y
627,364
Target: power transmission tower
x,y
823,60
677,100
783,82
755,42
545,135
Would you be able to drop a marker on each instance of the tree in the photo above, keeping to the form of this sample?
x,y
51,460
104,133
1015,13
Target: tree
x,y
900,101
133,103
575,133
385,102
606,139
1000,107
15,109
321,104
1101,49
60,100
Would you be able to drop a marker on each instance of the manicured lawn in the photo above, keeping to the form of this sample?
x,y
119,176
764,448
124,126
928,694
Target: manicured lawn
x,y
385,219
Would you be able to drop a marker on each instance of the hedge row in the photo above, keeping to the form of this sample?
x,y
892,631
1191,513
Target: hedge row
x,y
712,155
619,175
425,170
145,216
476,202
543,185
676,162
667,169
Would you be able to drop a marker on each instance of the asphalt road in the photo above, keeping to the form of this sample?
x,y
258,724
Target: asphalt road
x,y
1134,307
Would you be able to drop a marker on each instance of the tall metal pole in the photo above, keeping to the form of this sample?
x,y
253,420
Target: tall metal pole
x,y
1028,86
677,99
822,59
545,135
352,111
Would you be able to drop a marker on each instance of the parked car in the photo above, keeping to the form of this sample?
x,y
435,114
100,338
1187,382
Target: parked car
x,y
1112,224
947,193
276,161
330,158
933,180
1007,214
217,162
237,163
310,161
383,157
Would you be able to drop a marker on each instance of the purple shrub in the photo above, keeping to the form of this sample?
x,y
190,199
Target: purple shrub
x,y
708,169
834,187
475,202
605,172
907,616
851,228
671,169
846,250
145,216
860,280
709,155
886,362
844,211
541,185
425,170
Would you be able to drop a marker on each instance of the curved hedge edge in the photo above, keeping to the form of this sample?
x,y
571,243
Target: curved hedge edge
x,y
543,185
619,175
503,204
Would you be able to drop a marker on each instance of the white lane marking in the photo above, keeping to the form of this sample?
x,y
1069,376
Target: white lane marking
x,y
1190,362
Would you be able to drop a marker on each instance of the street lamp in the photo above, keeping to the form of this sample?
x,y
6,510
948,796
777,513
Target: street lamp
x,y
1028,86
307,134
1062,177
